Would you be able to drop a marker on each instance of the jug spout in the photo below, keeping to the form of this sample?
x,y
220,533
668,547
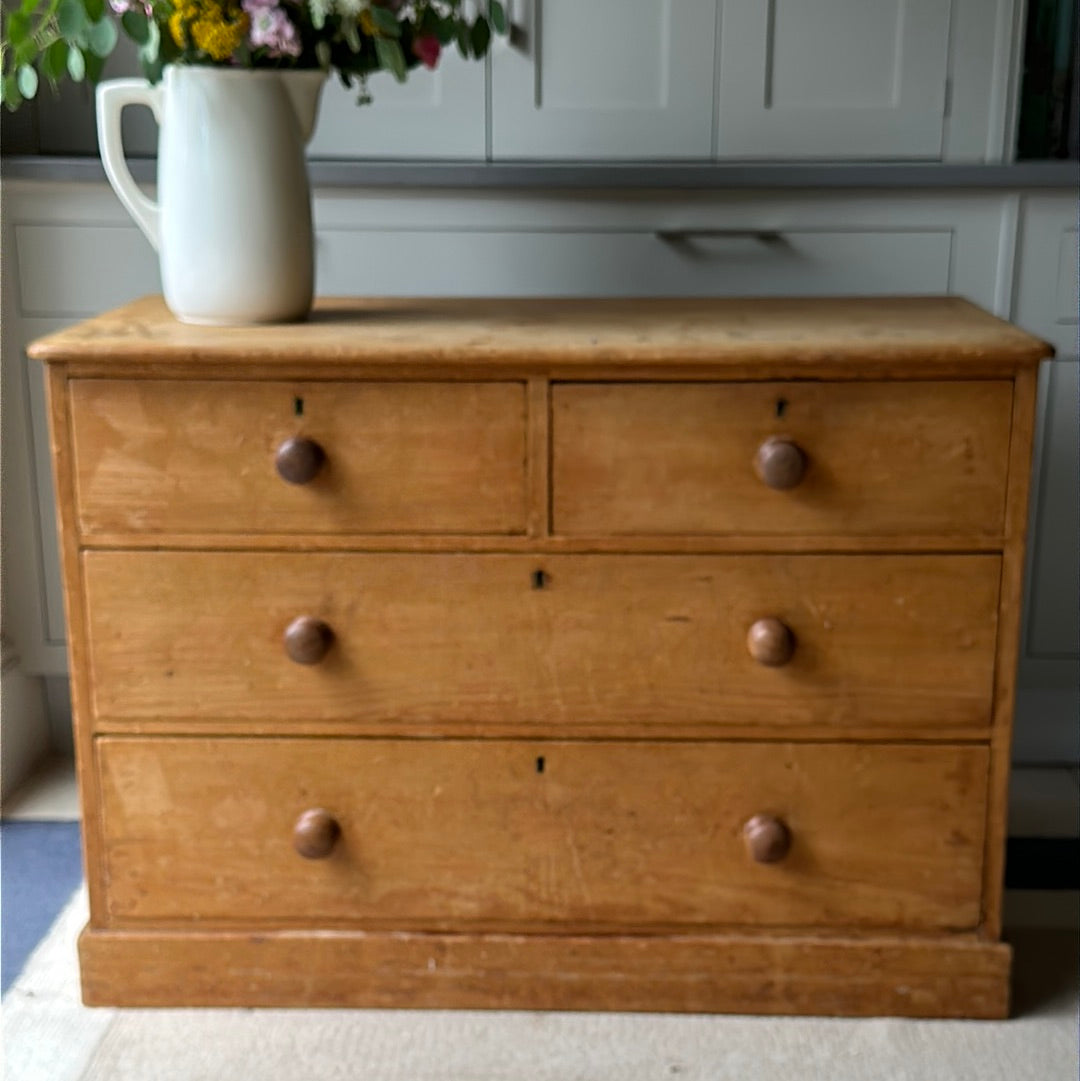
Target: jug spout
x,y
304,89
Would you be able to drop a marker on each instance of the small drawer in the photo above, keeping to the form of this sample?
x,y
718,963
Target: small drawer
x,y
416,834
670,644
202,457
806,459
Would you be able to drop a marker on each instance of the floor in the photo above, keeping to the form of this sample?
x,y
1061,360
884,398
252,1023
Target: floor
x,y
41,867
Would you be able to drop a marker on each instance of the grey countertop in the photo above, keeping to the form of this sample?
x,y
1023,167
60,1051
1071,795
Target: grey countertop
x,y
600,175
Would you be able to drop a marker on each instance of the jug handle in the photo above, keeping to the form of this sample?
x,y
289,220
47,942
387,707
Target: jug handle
x,y
112,97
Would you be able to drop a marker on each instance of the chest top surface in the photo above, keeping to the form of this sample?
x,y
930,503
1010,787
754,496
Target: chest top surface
x,y
906,337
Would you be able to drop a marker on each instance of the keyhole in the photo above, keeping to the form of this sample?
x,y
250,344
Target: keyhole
x,y
539,579
298,406
781,406
540,764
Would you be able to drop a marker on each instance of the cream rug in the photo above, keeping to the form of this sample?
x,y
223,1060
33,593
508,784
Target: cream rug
x,y
49,1036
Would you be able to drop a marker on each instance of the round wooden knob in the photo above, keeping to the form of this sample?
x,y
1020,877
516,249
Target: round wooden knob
x,y
299,460
780,463
767,839
770,642
315,833
307,640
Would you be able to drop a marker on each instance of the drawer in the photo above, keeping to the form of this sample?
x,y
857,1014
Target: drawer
x,y
199,457
502,834
745,256
870,458
877,642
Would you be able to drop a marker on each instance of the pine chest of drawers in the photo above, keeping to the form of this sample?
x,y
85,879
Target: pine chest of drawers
x,y
646,655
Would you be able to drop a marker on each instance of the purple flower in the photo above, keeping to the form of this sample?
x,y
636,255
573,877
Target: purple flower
x,y
271,28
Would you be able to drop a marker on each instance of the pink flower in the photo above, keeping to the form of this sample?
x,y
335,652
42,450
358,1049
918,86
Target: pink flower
x,y
271,29
122,6
427,48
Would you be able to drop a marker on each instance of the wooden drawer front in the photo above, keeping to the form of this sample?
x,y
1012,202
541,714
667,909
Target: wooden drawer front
x,y
881,458
199,457
444,834
880,641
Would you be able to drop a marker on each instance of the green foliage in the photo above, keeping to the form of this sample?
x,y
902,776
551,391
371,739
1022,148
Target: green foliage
x,y
53,40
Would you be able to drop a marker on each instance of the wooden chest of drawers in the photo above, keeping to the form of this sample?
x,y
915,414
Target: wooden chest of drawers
x,y
648,655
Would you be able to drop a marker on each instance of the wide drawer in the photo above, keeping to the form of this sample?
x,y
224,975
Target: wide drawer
x,y
876,458
200,457
879,642
520,834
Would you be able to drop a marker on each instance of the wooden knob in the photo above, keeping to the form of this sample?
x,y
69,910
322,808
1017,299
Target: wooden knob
x,y
315,833
766,838
780,463
299,460
307,640
770,642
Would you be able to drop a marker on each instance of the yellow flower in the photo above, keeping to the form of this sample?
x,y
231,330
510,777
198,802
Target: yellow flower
x,y
216,29
185,11
367,23
216,33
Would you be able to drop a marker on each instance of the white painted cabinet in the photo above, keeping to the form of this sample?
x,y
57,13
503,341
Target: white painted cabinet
x,y
832,78
672,80
435,114
1045,301
606,79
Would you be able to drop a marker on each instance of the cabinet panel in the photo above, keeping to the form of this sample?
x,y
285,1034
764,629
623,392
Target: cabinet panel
x,y
646,93
163,456
738,262
607,642
833,78
504,833
436,114
879,459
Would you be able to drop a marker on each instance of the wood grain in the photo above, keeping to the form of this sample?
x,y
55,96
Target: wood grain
x,y
161,455
548,588
947,976
880,640
661,458
1008,646
78,648
799,335
509,835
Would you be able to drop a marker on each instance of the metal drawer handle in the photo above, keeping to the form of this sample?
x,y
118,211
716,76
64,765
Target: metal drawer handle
x,y
771,238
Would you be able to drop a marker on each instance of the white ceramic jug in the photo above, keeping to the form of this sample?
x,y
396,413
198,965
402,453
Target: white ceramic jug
x,y
232,224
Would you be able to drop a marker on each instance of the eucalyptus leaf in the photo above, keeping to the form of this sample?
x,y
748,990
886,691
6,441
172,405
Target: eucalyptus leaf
x,y
322,54
25,52
9,87
136,26
385,21
76,64
480,36
17,28
444,30
461,34
29,7
54,61
101,37
95,67
497,14
95,9
71,19
391,57
28,81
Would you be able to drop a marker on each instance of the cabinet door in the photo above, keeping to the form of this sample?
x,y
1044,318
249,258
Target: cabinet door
x,y
435,114
606,79
833,78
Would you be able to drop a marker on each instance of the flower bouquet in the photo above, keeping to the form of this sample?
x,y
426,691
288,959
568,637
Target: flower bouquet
x,y
52,40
